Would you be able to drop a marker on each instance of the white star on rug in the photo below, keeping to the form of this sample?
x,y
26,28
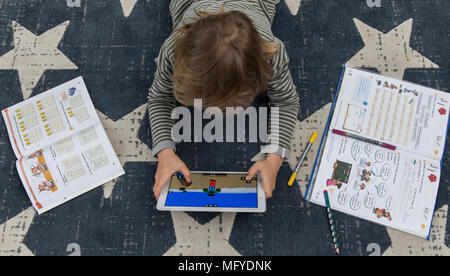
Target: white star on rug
x,y
194,239
123,135
13,232
33,55
390,53
293,5
128,6
302,133
213,237
403,244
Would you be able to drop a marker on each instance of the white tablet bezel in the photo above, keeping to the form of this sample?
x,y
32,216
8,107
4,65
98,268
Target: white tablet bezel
x,y
261,199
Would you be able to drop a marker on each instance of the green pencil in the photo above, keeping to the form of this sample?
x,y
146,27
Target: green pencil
x,y
332,225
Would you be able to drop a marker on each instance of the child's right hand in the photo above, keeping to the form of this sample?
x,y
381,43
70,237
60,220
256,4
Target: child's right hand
x,y
168,164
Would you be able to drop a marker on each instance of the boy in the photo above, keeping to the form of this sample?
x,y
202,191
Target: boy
x,y
224,53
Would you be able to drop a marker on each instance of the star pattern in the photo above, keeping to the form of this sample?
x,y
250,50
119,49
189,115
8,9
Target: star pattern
x,y
403,244
293,5
210,239
390,53
302,133
13,233
123,135
33,55
127,6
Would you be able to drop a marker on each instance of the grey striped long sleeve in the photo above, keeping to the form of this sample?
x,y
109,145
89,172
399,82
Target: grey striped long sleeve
x,y
161,100
283,95
281,90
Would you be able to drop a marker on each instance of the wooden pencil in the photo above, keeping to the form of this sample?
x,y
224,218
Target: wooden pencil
x,y
331,220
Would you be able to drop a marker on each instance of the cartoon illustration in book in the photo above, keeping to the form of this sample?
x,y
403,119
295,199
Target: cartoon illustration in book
x,y
432,178
38,169
47,186
382,213
387,85
334,182
341,174
35,155
72,91
43,187
365,175
212,190
359,186
64,96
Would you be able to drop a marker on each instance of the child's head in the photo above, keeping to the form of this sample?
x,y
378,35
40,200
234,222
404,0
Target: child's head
x,y
221,59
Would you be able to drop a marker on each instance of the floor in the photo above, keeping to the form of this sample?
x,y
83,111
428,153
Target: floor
x,y
113,43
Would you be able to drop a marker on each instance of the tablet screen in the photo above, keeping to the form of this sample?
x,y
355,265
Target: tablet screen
x,y
213,190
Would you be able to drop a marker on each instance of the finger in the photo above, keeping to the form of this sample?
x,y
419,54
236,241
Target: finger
x,y
253,171
156,181
267,188
159,185
267,185
186,173
156,191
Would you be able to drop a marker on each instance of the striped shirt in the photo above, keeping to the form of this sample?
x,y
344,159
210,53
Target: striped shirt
x,y
281,90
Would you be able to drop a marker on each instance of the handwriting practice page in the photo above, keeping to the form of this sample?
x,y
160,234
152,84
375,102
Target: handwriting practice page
x,y
396,188
411,117
69,167
61,146
49,117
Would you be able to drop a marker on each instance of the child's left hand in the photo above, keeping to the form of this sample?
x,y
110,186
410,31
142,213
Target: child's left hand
x,y
268,169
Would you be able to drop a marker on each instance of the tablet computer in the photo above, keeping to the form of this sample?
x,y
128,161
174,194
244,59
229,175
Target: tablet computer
x,y
213,192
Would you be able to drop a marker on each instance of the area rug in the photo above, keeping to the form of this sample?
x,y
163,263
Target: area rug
x,y
112,44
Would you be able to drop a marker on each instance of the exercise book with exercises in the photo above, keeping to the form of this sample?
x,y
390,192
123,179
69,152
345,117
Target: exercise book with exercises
x,y
387,168
61,146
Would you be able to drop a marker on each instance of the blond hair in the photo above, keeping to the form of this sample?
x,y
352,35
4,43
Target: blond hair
x,y
222,59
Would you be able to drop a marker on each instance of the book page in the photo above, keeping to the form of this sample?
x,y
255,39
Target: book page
x,y
69,168
412,117
392,188
49,117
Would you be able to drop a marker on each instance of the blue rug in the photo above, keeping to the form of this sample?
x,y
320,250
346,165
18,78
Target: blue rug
x,y
112,44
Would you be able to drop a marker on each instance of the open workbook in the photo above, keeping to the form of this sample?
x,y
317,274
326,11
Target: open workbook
x,y
396,188
61,146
